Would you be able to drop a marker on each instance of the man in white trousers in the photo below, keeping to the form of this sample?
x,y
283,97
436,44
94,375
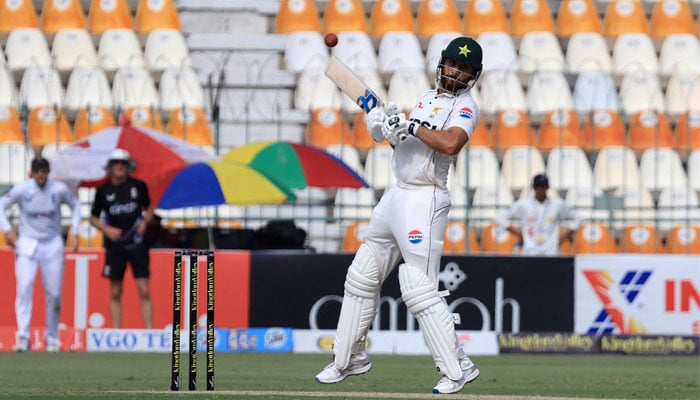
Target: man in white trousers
x,y
409,222
39,245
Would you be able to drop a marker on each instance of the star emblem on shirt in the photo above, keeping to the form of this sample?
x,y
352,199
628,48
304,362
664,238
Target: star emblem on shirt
x,y
464,50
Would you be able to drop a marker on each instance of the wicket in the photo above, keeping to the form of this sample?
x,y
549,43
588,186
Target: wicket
x,y
192,258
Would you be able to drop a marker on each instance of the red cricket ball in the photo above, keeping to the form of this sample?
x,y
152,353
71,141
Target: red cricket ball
x,y
331,39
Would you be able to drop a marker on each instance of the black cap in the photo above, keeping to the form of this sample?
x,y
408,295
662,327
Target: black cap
x,y
540,181
39,164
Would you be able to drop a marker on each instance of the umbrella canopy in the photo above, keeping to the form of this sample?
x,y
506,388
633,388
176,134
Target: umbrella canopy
x,y
158,157
296,165
221,182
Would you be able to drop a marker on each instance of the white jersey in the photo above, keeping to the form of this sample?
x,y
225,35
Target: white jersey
x,y
539,223
416,164
40,208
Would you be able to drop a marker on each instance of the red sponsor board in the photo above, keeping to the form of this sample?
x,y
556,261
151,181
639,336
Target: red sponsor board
x,y
86,293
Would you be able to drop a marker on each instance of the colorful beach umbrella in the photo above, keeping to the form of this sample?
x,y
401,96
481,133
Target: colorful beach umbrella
x,y
221,182
296,165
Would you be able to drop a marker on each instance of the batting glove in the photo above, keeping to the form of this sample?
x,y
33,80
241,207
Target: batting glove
x,y
395,128
374,120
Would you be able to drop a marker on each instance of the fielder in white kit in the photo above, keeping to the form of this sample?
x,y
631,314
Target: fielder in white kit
x,y
409,222
39,245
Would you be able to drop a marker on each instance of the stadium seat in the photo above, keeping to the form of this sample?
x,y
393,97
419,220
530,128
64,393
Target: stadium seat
x,y
179,86
679,53
501,90
595,90
484,16
62,14
603,128
694,170
436,16
637,206
682,93
88,236
152,15
677,204
399,50
559,128
498,240
41,86
519,165
15,159
512,128
437,43
405,86
362,140
378,172
106,15
327,127
582,199
662,168
499,51
191,125
26,47
391,16
459,240
297,15
594,237
568,167
354,236
671,17
548,91
577,16
540,51
305,49
640,238
87,87
344,16
17,14
530,16
683,239
166,48
688,133
371,77
615,166
73,47
488,201
649,129
634,52
47,126
134,86
354,204
315,90
9,95
89,120
624,16
10,125
119,48
588,51
356,50
459,198
146,116
476,166
641,91
481,135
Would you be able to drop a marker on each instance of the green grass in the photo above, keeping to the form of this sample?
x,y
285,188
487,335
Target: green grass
x,y
146,376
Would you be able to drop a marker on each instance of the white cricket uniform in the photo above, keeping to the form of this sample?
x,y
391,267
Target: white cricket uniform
x,y
539,223
411,216
39,245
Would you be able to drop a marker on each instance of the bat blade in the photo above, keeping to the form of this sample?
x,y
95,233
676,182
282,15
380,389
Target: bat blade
x,y
352,85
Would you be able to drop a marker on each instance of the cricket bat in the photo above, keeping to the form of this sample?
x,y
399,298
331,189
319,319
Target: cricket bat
x,y
352,85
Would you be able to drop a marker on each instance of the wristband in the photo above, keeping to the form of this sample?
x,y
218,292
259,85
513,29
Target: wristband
x,y
412,128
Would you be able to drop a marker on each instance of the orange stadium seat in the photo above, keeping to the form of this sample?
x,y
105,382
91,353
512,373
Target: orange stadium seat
x,y
344,16
559,128
190,124
17,14
683,239
650,129
46,126
530,16
437,16
89,120
152,15
624,16
328,127
688,132
603,128
88,236
594,237
362,140
62,14
671,17
391,16
297,15
103,16
354,236
499,240
10,125
484,16
144,116
577,16
640,238
512,128
566,248
455,240
481,136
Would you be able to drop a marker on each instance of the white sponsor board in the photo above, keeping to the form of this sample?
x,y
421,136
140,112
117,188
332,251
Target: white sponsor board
x,y
637,294
395,342
130,340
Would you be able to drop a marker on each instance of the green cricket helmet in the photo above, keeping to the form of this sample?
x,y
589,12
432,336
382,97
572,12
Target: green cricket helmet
x,y
465,51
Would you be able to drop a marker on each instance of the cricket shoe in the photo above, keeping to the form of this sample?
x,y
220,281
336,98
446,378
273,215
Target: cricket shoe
x,y
53,348
359,364
469,373
21,346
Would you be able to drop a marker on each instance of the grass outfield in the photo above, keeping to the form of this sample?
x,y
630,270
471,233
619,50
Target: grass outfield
x,y
290,376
